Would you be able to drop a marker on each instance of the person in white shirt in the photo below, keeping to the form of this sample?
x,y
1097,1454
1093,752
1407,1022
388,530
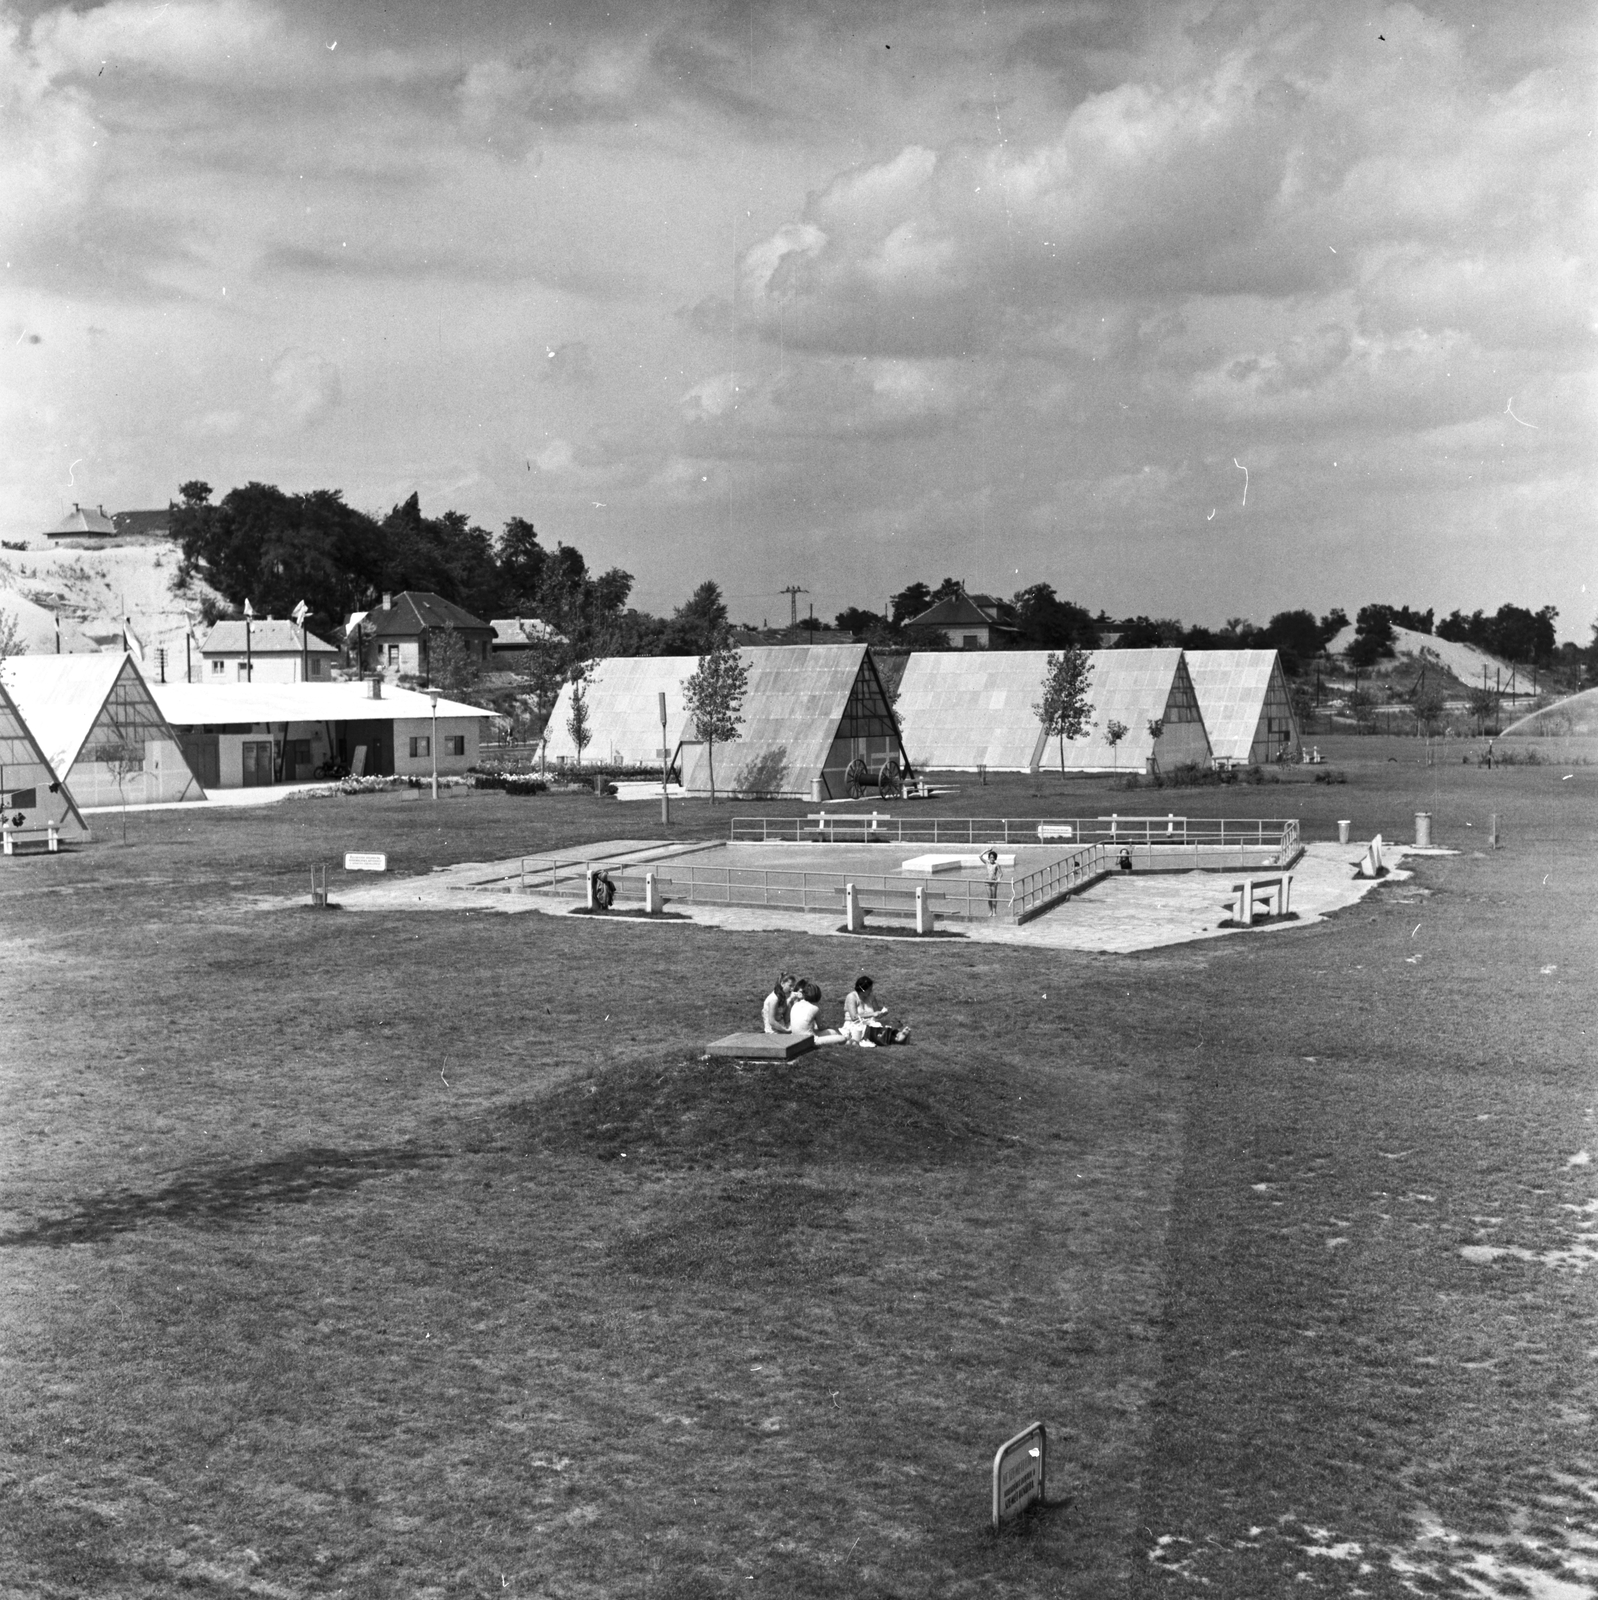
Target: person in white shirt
x,y
774,1013
865,1021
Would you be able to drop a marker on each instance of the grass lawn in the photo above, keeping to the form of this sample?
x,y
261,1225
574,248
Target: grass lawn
x,y
380,1254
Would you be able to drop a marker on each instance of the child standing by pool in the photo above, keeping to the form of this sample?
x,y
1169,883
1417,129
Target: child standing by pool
x,y
990,862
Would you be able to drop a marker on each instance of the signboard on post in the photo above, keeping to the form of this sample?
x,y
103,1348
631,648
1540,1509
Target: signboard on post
x,y
1020,1473
365,861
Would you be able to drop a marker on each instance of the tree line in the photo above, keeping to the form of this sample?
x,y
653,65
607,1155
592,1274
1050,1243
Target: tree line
x,y
1042,620
275,549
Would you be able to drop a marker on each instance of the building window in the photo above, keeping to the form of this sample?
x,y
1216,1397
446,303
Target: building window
x,y
970,642
218,669
316,666
422,745
454,744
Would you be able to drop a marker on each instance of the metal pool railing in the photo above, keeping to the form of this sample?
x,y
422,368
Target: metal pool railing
x,y
1170,843
794,890
1032,892
878,828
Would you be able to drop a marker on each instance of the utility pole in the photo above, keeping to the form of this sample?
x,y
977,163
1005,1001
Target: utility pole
x,y
793,591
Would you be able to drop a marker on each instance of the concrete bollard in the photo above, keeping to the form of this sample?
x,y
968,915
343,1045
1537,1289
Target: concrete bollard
x,y
1342,830
1493,836
1423,830
815,791
923,912
588,885
853,918
651,896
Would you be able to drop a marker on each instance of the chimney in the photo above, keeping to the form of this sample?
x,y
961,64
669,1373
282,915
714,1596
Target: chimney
x,y
374,688
388,601
76,506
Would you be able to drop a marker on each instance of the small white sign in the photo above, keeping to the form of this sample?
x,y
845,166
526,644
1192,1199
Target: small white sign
x,y
1020,1472
365,861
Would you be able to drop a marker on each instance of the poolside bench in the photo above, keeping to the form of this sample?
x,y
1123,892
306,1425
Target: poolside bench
x,y
1272,896
827,823
49,836
763,1046
892,903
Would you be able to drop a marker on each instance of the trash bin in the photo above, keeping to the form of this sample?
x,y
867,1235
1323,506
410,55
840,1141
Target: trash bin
x,y
1342,831
1423,830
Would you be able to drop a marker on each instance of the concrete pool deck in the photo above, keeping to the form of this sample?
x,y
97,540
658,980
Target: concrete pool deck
x,y
1118,915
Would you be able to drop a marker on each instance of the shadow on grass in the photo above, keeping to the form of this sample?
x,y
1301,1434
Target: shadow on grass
x,y
221,1195
753,1229
834,1106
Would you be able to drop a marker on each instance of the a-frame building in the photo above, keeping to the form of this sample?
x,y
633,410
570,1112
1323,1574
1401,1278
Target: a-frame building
x,y
1247,709
967,709
621,699
807,712
96,721
32,795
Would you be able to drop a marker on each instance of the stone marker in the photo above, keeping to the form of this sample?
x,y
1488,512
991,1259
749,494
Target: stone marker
x,y
764,1046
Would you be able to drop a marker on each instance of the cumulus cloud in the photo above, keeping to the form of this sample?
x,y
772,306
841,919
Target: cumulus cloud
x,y
1268,167
50,152
170,38
305,387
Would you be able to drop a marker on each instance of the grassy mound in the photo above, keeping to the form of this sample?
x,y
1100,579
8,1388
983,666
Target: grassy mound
x,y
834,1106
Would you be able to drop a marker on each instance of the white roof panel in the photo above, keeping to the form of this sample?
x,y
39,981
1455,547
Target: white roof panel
x,y
189,705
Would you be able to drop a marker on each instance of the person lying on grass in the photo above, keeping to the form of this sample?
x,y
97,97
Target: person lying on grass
x,y
774,1013
865,1021
804,1015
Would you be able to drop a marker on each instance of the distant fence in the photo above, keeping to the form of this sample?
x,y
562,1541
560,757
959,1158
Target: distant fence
x,y
854,827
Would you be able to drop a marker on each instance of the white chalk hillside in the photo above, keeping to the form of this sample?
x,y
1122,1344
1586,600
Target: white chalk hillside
x,y
92,591
1465,661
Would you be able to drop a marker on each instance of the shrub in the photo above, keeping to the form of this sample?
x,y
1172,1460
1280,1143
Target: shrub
x,y
511,782
1331,775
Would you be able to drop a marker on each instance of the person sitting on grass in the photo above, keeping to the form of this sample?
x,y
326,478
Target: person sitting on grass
x,y
865,1022
804,1015
774,1013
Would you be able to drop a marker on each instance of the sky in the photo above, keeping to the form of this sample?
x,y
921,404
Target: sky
x,y
1201,310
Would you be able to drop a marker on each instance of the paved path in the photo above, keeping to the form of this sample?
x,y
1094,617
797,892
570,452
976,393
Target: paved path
x,y
1118,914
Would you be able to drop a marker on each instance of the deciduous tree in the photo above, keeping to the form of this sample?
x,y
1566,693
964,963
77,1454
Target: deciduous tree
x,y
714,696
1064,709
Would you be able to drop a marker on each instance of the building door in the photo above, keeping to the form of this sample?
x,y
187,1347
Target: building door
x,y
257,763
204,757
297,760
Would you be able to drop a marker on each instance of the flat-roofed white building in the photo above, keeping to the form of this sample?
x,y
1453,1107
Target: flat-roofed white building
x,y
252,735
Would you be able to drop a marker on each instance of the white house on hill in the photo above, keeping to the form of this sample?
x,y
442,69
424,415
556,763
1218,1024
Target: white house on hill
x,y
264,650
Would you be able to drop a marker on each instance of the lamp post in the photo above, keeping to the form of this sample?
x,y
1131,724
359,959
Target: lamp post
x,y
665,769
432,744
249,659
